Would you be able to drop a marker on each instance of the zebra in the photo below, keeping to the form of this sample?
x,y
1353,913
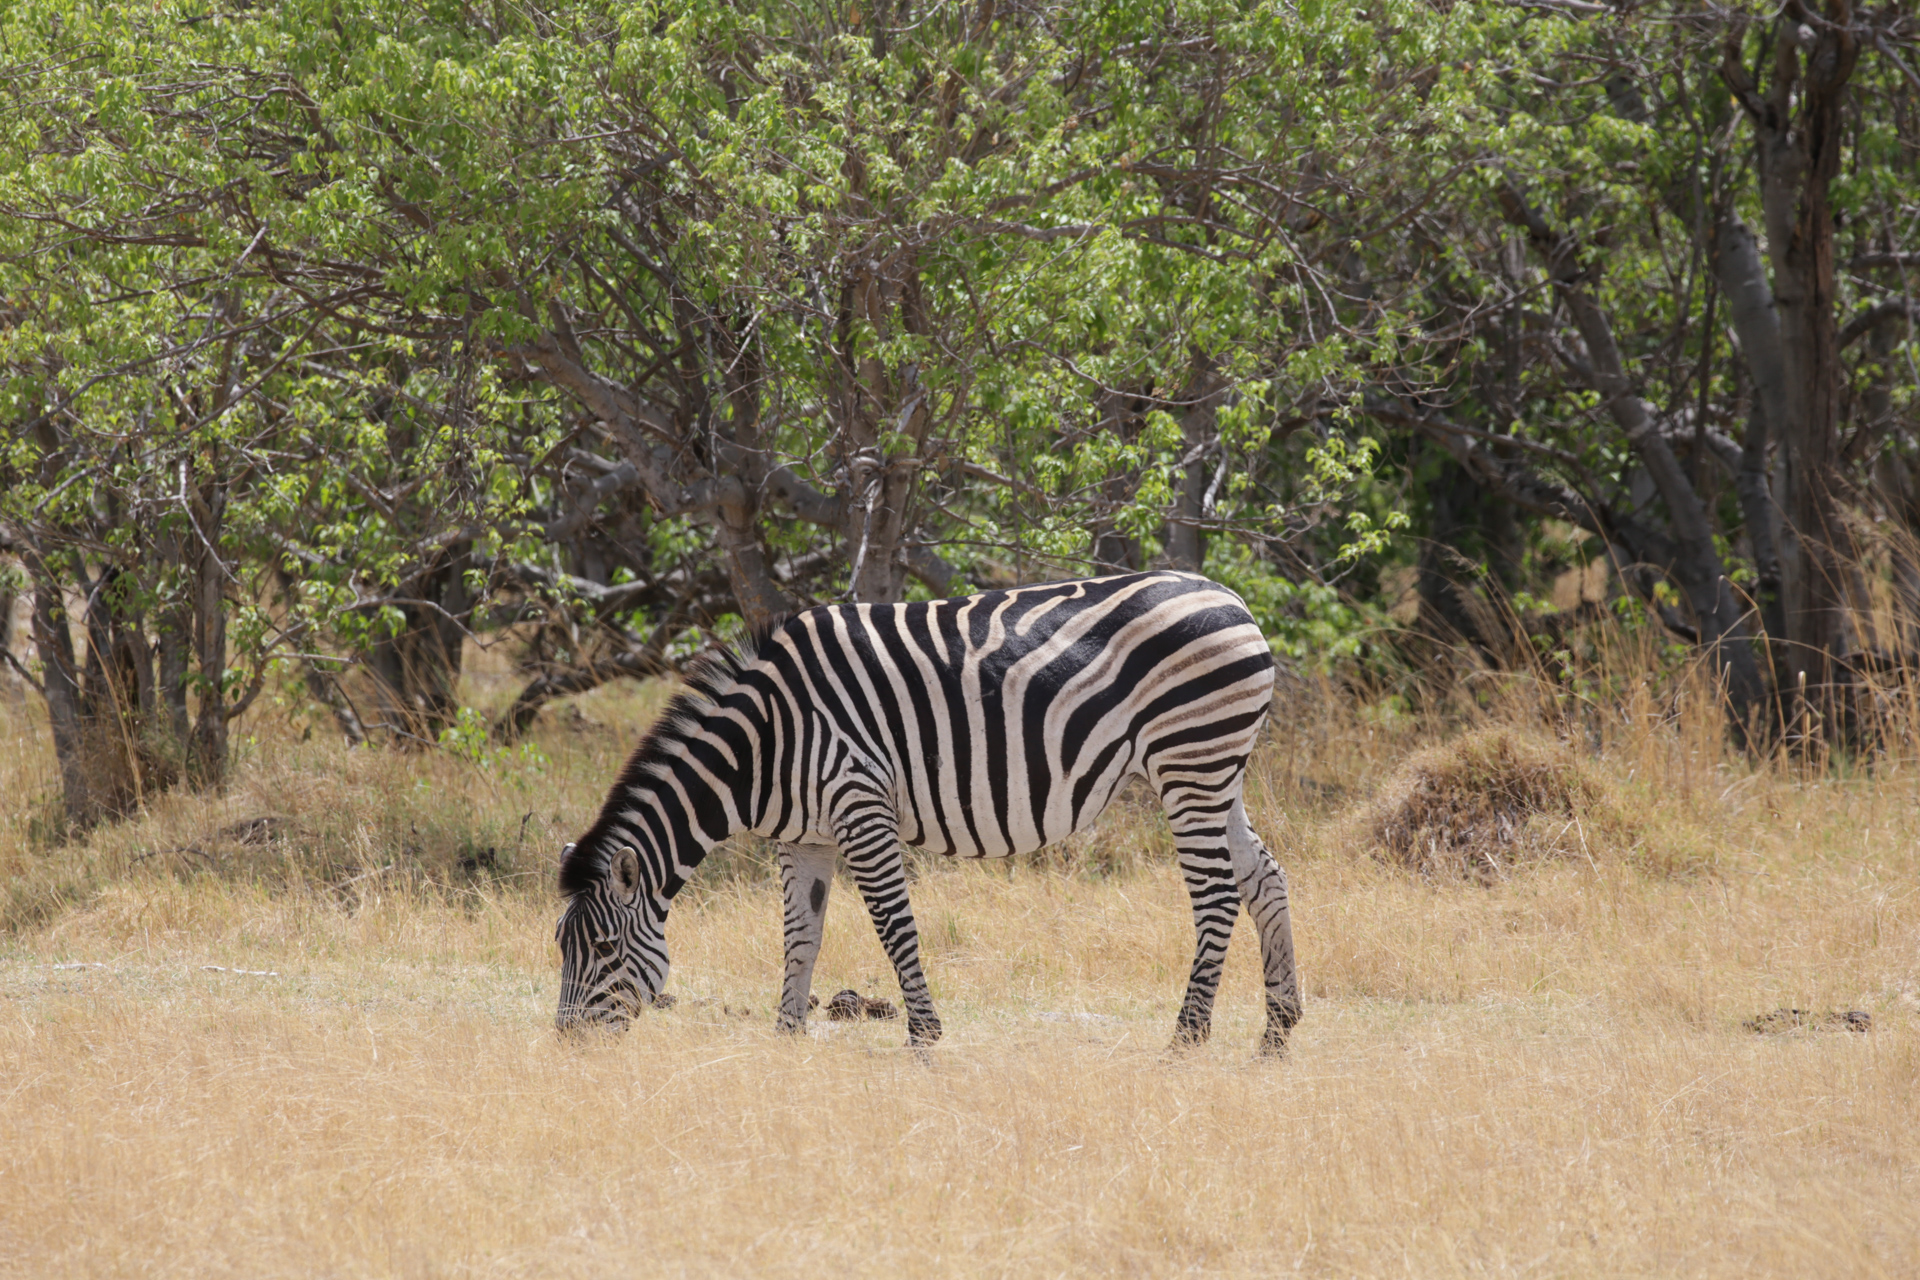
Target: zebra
x,y
979,726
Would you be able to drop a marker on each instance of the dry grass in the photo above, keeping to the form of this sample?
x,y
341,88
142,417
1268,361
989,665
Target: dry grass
x,y
1489,800
1547,1075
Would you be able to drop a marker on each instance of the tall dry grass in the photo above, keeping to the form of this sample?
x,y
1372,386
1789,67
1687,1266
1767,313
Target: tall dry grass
x,y
1546,1074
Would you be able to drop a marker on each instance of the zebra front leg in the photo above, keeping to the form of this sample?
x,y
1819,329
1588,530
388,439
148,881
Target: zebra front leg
x,y
871,843
806,878
1263,887
1206,866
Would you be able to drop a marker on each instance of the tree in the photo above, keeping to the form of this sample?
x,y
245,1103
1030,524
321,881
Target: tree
x,y
339,338
1588,124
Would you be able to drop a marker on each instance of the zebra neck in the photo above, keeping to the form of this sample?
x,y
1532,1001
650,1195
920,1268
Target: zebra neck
x,y
702,790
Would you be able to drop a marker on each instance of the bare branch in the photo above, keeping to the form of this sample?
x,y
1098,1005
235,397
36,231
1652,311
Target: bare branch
x,y
1870,261
1875,316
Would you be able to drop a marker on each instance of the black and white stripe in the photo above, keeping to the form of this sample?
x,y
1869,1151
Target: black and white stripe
x,y
980,726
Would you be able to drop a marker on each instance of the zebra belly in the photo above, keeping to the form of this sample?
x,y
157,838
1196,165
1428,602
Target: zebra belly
x,y
924,832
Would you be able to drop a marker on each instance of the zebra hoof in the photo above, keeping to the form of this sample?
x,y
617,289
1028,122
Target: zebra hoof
x,y
922,1032
1189,1035
1273,1045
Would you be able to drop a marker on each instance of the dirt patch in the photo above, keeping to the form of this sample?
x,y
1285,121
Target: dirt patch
x,y
1478,806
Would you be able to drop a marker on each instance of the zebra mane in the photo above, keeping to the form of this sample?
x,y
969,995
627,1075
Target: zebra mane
x,y
708,678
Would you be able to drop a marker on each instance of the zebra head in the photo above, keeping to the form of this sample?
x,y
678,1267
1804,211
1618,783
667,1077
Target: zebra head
x,y
612,936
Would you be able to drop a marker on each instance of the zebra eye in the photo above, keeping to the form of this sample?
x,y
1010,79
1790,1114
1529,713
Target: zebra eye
x,y
604,948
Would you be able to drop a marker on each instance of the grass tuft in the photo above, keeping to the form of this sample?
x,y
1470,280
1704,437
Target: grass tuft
x,y
1482,804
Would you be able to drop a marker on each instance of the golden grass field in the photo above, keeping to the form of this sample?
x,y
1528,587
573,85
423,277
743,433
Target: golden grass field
x,y
1547,1075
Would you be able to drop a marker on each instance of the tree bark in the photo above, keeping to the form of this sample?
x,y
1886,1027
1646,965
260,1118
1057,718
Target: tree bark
x,y
882,410
1742,277
1798,128
1186,535
8,676
173,627
416,670
60,684
207,753
1115,551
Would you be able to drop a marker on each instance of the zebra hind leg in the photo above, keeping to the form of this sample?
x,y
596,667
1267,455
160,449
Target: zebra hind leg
x,y
1263,887
806,878
872,849
1200,839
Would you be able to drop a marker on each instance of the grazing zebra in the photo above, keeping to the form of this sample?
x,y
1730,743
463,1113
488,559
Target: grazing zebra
x,y
979,726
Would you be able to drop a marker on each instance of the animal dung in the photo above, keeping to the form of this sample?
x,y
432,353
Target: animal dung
x,y
1786,1021
849,1005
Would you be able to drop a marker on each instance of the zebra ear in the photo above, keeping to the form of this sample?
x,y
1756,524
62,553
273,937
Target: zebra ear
x,y
624,875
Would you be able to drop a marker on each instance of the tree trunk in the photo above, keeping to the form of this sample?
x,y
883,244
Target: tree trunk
x,y
1186,538
1798,130
1740,275
173,626
1448,609
9,677
206,763
1897,486
416,670
637,664
1742,279
60,683
114,712
884,409
101,740
1114,550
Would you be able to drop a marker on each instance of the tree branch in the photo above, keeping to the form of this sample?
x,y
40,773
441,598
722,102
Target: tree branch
x,y
25,674
1873,317
1869,261
623,475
